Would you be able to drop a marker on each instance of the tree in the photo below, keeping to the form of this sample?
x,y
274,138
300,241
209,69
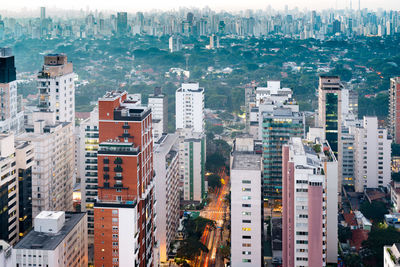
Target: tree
x,y
379,237
190,248
374,211
395,149
214,162
352,260
214,181
344,233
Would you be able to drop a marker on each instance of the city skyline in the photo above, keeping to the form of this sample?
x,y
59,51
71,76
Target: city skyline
x,y
221,5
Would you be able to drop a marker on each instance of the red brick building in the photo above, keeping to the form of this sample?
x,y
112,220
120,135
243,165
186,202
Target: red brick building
x,y
124,213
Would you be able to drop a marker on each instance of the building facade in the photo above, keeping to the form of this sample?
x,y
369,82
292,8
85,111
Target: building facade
x,y
124,212
158,102
11,114
391,255
277,127
24,160
394,109
372,156
166,154
9,223
57,87
192,157
87,166
53,171
310,179
246,205
190,107
58,239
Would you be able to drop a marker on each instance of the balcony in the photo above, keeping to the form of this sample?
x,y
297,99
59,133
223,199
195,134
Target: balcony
x,y
117,148
91,161
94,155
106,184
118,185
106,176
118,178
106,161
89,174
106,169
126,135
118,168
118,160
126,127
92,168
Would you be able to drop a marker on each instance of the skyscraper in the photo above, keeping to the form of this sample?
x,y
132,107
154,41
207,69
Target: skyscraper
x,y
309,218
277,126
11,114
124,212
190,107
175,43
54,169
122,23
42,13
57,87
329,109
246,205
394,109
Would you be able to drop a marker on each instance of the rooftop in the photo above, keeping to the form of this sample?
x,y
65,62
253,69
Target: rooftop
x,y
46,241
246,161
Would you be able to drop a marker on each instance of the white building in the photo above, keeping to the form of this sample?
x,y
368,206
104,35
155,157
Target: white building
x,y
5,254
166,154
175,43
87,166
54,169
58,239
158,102
391,255
9,222
192,159
372,156
190,107
246,205
11,114
56,84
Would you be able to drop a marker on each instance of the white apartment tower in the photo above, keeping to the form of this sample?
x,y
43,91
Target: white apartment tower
x,y
166,154
158,102
190,107
9,223
246,205
192,159
57,88
87,166
58,239
175,43
54,169
11,114
372,156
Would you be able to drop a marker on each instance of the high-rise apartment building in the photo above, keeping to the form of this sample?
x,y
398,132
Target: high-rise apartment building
x,y
58,239
372,156
124,212
175,43
11,114
9,223
246,205
190,107
394,109
57,88
122,23
330,109
166,155
54,170
277,126
309,218
87,166
158,102
192,157
24,159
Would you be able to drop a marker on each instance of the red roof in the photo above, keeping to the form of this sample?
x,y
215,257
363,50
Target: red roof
x,y
350,219
358,236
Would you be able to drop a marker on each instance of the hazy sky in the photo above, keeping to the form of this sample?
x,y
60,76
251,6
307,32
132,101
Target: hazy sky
x,y
229,5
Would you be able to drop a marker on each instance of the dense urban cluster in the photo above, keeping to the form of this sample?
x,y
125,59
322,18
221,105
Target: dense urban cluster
x,y
189,138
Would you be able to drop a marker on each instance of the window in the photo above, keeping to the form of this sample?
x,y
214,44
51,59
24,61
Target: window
x,y
114,212
246,205
246,245
246,260
246,237
246,229
247,213
244,189
246,221
246,182
114,220
246,197
115,243
246,252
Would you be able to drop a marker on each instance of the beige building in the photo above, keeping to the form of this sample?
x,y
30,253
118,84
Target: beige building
x,y
58,239
53,170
